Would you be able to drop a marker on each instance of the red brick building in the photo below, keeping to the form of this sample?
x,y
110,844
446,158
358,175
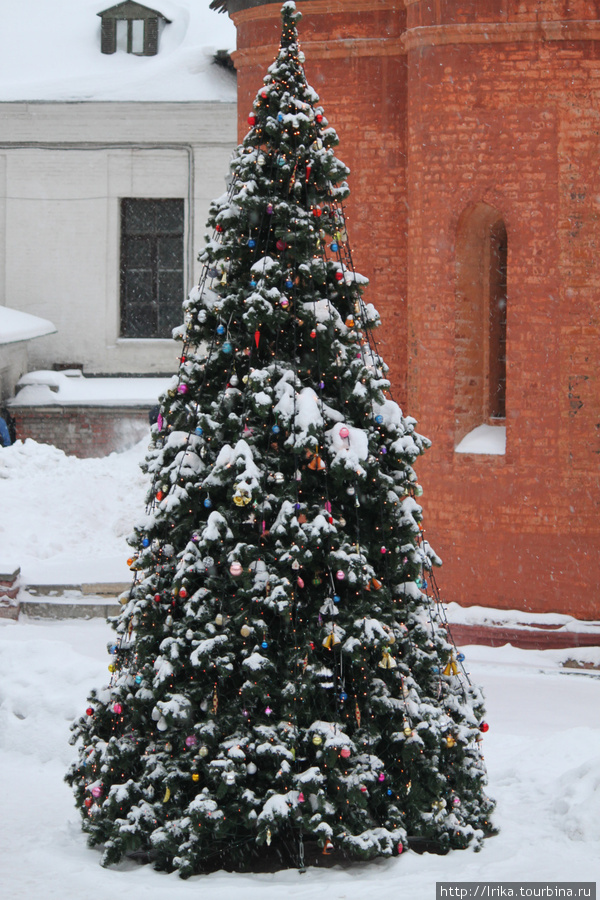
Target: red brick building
x,y
472,131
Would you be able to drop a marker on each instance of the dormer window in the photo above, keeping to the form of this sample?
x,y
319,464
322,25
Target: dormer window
x,y
131,28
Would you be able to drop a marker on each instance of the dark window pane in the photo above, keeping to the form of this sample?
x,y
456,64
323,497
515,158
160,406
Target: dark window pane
x,y
138,285
140,321
138,217
170,253
138,252
169,216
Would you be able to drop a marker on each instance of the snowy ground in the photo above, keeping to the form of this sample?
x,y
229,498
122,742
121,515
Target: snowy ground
x,y
66,519
542,750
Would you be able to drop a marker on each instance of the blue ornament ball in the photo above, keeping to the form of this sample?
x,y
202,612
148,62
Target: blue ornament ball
x,y
280,117
138,679
227,347
207,502
343,696
264,645
379,419
336,598
460,657
252,243
289,284
275,429
199,430
220,329
145,542
334,247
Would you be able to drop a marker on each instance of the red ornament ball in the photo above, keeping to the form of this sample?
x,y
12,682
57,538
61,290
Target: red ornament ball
x,y
345,752
251,119
183,593
88,802
89,711
319,118
339,276
484,727
157,598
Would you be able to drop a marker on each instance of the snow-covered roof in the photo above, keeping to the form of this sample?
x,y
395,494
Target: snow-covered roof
x,y
50,50
20,326
72,388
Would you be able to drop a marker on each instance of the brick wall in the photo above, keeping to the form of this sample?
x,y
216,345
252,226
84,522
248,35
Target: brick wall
x,y
441,107
503,114
82,431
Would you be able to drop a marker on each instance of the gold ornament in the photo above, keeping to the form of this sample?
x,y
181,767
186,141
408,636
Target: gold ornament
x,y
215,703
407,731
167,795
317,740
450,741
219,619
195,776
241,498
451,668
203,751
245,630
387,661
330,641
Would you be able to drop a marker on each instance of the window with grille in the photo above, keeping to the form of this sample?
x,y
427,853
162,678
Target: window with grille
x,y
152,258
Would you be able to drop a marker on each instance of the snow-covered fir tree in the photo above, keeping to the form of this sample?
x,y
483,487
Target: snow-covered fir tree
x,y
280,673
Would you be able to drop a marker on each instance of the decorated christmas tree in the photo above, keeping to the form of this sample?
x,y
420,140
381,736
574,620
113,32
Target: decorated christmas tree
x,y
281,672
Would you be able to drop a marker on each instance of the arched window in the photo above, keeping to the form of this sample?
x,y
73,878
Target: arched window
x,y
480,320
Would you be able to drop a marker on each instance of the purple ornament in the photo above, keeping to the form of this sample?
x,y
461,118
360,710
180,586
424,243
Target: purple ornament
x,y
381,777
182,389
160,422
191,740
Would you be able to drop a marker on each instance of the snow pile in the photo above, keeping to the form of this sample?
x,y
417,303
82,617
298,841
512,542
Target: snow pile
x,y
19,326
542,751
65,520
51,51
487,439
72,388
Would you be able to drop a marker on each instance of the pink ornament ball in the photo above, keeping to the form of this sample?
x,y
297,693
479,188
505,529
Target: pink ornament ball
x,y
400,849
345,752
117,709
383,550
340,575
96,791
301,582
182,389
191,740
456,801
344,432
236,568
381,777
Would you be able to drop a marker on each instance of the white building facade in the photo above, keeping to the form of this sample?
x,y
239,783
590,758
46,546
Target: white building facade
x,y
102,214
